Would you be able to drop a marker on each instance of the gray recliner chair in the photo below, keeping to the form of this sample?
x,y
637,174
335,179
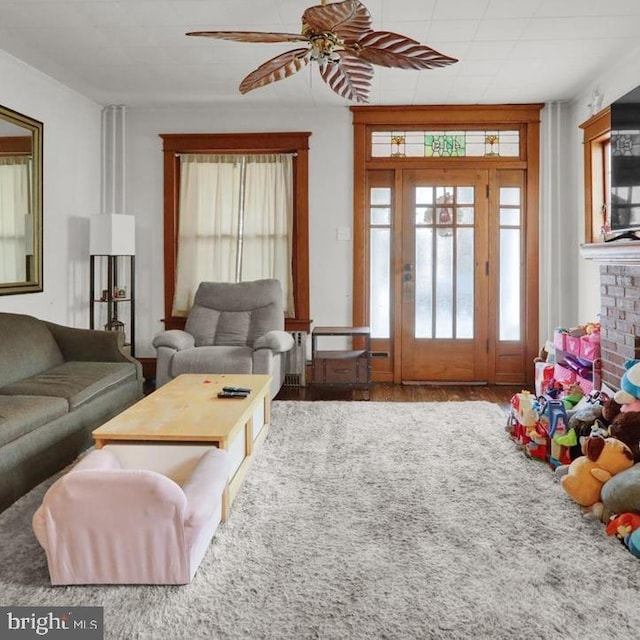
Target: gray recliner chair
x,y
231,328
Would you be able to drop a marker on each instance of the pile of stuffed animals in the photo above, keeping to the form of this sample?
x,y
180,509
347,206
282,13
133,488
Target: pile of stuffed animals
x,y
601,470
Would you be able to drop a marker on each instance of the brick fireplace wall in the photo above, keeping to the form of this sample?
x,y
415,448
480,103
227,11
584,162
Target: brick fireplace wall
x,y
619,320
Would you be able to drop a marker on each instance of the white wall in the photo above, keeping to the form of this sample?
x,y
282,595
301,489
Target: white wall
x,y
71,173
330,207
611,85
330,201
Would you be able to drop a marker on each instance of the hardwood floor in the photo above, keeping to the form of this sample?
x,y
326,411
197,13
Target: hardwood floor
x,y
387,392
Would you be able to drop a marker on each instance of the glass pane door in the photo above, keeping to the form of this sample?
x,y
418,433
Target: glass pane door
x,y
444,255
444,239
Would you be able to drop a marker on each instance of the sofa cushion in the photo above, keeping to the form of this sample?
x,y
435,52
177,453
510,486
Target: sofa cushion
x,y
27,348
77,382
21,414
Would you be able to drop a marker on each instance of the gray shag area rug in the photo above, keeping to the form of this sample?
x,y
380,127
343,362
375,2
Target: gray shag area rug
x,y
374,520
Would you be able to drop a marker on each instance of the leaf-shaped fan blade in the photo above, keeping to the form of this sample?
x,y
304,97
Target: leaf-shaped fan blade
x,y
278,68
349,20
250,36
350,77
389,49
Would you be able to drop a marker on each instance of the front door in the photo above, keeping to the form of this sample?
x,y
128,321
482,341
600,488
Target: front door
x,y
445,279
445,237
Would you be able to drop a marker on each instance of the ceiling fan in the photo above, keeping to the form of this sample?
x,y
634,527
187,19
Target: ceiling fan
x,y
340,39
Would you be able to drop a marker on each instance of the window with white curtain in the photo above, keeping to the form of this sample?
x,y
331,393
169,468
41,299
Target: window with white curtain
x,y
235,222
14,209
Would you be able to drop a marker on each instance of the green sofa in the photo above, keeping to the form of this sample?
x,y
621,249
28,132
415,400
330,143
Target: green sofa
x,y
57,384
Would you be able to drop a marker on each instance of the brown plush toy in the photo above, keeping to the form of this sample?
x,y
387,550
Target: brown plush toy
x,y
610,409
626,428
603,458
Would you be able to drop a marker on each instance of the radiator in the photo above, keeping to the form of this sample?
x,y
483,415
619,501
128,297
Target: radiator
x,y
296,373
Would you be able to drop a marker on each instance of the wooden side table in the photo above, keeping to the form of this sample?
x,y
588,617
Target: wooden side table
x,y
350,368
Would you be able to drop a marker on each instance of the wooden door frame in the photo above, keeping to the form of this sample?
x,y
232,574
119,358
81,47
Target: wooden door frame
x,y
525,117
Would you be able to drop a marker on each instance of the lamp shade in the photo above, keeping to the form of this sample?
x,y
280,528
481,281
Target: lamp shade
x,y
112,234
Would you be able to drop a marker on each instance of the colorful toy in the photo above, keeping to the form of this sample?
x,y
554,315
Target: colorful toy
x,y
591,328
522,404
573,396
584,422
554,389
629,394
623,525
522,417
603,459
633,543
554,414
538,444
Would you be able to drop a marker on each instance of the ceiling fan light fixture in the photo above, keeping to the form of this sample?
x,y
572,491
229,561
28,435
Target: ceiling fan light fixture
x,y
340,39
324,46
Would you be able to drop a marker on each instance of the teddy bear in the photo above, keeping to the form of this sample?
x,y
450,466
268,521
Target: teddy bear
x,y
626,427
603,458
610,409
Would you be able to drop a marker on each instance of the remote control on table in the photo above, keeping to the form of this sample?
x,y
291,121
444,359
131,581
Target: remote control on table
x,y
237,389
232,394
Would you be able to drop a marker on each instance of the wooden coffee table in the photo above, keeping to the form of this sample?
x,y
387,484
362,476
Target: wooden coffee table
x,y
187,411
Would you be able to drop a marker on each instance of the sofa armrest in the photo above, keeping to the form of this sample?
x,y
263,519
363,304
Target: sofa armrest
x,y
174,339
92,345
276,340
205,485
134,517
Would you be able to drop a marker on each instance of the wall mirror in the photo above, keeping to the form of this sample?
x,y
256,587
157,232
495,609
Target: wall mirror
x,y
20,203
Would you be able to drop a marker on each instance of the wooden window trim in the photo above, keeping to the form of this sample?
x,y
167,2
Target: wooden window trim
x,y
15,145
596,133
289,142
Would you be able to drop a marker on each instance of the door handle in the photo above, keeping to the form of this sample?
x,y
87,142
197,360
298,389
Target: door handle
x,y
407,277
407,267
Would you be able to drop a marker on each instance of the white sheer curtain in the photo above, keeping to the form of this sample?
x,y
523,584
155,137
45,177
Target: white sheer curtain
x,y
14,208
236,215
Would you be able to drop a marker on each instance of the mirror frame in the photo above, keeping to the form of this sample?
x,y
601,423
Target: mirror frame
x,y
34,282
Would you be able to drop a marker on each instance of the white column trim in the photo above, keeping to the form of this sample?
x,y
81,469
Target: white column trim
x,y
559,223
113,196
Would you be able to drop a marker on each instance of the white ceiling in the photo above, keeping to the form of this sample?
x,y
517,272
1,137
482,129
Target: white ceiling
x,y
134,52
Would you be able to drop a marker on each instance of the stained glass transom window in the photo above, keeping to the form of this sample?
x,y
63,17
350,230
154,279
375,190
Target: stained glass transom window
x,y
445,144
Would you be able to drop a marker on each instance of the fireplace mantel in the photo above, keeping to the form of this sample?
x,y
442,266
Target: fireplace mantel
x,y
617,252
